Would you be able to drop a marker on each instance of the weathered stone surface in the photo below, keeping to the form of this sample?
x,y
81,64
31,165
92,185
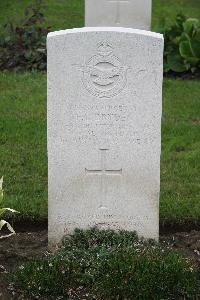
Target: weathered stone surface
x,y
104,130
123,13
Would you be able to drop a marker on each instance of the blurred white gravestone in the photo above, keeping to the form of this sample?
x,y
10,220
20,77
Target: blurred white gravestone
x,y
104,130
120,13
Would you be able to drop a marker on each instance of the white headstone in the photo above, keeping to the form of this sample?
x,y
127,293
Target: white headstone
x,y
120,13
104,130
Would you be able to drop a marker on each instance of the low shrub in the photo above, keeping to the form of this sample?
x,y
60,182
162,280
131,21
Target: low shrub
x,y
97,264
182,44
23,46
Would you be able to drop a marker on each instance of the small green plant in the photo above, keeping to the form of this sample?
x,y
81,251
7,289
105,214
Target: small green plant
x,y
2,211
23,46
104,264
182,44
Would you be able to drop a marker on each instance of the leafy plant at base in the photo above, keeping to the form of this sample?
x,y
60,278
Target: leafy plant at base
x,y
2,211
182,44
23,46
97,264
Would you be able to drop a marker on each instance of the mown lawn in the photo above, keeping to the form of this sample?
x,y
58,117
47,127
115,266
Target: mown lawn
x,y
180,162
23,158
64,14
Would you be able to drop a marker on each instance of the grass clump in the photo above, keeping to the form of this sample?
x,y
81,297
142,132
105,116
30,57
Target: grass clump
x,y
97,264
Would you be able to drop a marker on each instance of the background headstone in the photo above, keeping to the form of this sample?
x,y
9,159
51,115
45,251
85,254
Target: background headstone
x,y
104,130
120,13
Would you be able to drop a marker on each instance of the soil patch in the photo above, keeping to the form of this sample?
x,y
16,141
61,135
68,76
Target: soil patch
x,y
188,243
166,225
26,245
16,250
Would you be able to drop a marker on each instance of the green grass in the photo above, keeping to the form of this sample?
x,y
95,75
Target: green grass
x,y
107,265
23,158
64,14
180,168
170,8
60,14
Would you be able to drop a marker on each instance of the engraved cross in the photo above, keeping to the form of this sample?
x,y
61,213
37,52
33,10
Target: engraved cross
x,y
118,8
103,172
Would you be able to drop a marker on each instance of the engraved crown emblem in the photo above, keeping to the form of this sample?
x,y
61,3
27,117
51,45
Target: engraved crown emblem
x,y
104,75
105,48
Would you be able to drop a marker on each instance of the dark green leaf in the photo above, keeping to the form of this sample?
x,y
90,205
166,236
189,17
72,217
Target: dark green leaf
x,y
190,25
175,63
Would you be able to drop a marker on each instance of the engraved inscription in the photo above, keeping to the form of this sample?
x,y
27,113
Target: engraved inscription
x,y
99,123
104,75
118,8
103,172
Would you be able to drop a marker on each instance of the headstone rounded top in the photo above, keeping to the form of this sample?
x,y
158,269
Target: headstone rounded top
x,y
106,29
